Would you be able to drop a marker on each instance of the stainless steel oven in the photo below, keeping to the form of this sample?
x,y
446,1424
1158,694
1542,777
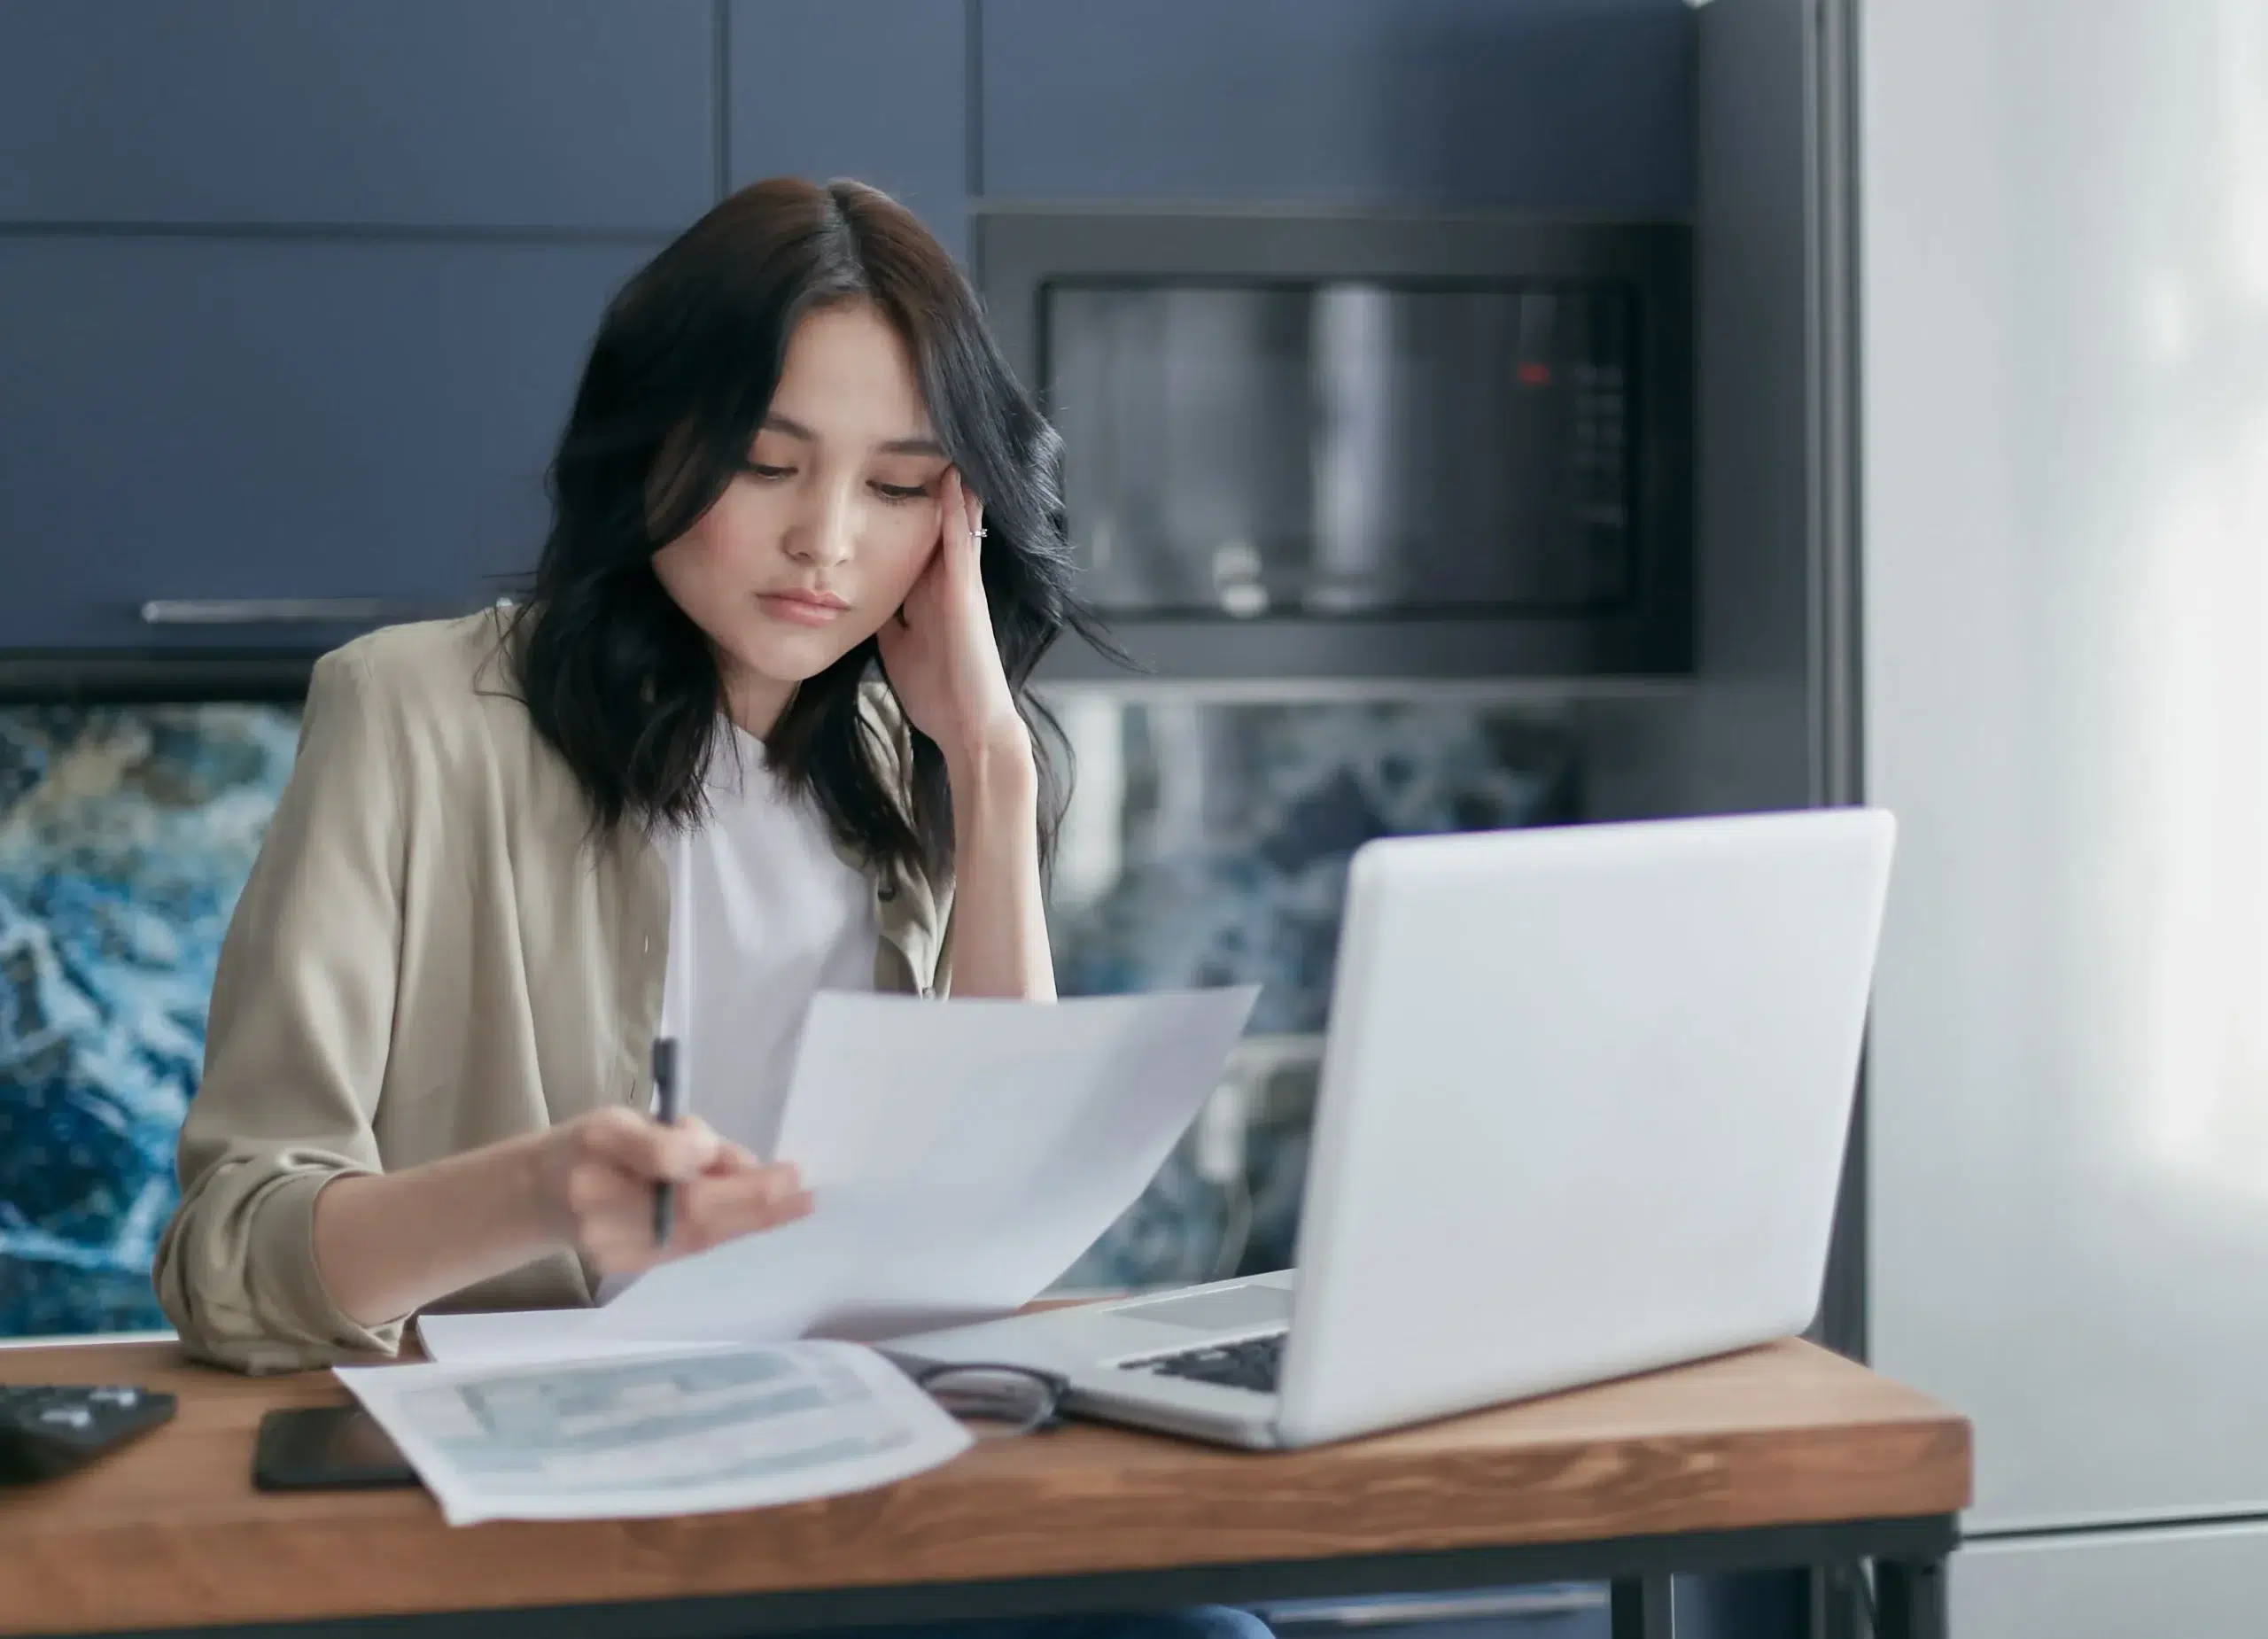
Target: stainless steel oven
x,y
1365,445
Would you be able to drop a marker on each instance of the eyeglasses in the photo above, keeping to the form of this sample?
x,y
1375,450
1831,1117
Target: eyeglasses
x,y
997,1401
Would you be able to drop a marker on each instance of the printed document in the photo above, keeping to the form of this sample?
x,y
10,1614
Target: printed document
x,y
961,1156
692,1431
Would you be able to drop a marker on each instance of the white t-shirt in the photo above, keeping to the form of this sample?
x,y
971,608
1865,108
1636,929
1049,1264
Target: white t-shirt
x,y
763,915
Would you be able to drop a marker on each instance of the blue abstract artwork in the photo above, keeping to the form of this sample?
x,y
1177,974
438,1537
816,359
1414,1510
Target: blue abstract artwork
x,y
126,834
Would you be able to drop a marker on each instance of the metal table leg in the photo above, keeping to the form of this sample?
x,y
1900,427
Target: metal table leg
x,y
1642,1608
1910,1594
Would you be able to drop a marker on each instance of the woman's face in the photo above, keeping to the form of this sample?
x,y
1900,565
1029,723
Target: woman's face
x,y
818,540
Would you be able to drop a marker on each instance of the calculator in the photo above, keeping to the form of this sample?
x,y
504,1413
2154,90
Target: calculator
x,y
51,1428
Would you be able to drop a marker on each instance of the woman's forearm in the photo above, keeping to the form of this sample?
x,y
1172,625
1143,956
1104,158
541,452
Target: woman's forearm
x,y
999,919
388,1245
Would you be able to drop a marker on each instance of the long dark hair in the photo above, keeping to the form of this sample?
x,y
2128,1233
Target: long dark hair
x,y
617,678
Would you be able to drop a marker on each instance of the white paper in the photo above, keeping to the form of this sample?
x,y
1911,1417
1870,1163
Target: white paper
x,y
960,1155
692,1431
529,1337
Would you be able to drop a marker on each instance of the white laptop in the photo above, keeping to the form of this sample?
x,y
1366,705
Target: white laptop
x,y
1582,1114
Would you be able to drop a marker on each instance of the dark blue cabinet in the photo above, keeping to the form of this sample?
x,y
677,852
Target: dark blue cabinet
x,y
1541,105
877,89
515,113
191,418
293,295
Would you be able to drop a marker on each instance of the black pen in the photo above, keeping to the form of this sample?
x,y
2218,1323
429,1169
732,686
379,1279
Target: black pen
x,y
666,1112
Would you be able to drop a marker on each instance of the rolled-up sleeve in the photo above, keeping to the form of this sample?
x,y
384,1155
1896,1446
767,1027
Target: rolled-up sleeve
x,y
296,1047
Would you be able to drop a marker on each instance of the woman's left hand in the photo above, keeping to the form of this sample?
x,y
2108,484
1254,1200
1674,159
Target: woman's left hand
x,y
939,650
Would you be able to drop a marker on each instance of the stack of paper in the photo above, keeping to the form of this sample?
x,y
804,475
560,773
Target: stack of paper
x,y
688,1431
961,1156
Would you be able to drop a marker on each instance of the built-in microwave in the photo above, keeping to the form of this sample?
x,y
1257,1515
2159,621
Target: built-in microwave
x,y
1361,445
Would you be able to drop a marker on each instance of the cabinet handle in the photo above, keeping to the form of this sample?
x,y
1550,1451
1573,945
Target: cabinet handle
x,y
246,611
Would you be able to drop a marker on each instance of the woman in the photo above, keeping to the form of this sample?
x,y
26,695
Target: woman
x,y
794,453
664,788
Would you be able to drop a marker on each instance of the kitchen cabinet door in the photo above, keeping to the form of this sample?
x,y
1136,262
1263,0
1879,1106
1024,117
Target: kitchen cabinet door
x,y
2199,1582
199,419
1539,104
877,89
574,114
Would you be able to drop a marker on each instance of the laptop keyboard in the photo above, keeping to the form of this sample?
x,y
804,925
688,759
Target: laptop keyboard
x,y
1250,1364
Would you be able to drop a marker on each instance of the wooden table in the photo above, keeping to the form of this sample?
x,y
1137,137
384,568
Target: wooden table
x,y
1781,1456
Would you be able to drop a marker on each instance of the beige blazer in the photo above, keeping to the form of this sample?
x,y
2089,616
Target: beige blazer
x,y
431,954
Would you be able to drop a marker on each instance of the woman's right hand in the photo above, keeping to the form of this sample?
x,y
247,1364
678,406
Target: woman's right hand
x,y
596,1176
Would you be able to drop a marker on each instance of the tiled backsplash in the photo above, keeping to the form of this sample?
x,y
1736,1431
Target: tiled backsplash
x,y
1208,843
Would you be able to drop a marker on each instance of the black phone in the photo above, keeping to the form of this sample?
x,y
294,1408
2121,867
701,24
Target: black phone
x,y
326,1448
